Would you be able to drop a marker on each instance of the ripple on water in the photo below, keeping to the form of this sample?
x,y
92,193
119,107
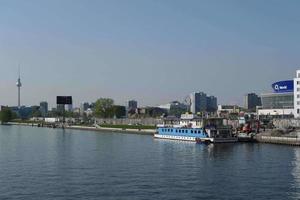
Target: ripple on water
x,y
38,163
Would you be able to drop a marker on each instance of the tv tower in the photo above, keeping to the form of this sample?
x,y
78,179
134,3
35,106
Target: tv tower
x,y
19,85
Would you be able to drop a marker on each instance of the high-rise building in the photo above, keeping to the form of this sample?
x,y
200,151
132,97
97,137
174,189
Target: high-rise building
x,y
44,108
198,102
212,104
252,100
132,105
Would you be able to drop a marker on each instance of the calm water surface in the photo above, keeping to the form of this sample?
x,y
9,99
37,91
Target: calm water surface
x,y
37,163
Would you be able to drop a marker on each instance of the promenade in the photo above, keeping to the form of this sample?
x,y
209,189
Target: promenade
x,y
92,128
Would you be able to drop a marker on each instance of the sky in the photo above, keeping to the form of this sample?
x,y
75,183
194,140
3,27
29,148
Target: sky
x,y
154,51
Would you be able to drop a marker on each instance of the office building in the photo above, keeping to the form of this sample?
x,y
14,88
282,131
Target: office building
x,y
279,103
198,102
229,109
132,105
212,104
252,100
44,108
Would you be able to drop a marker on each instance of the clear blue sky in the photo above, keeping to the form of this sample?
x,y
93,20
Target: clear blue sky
x,y
154,51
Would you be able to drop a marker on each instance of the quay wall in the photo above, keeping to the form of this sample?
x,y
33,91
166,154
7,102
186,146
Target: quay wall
x,y
126,121
294,141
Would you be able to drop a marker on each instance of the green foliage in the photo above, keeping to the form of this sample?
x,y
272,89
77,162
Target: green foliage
x,y
70,114
36,113
119,111
6,115
104,108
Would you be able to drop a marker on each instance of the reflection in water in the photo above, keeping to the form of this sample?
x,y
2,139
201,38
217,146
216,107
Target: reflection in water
x,y
51,164
220,150
296,172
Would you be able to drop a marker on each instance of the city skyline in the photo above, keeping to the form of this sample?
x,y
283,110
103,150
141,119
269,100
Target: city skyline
x,y
151,51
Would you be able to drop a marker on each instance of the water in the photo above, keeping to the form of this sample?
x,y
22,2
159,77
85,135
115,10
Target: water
x,y
38,163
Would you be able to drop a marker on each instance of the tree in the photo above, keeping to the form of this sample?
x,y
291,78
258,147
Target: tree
x,y
104,108
6,115
36,113
119,111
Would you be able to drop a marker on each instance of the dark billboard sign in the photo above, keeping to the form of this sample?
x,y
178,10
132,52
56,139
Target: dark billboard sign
x,y
283,86
64,100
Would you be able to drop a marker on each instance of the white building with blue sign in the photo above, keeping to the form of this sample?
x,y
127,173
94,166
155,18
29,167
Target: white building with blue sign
x,y
283,86
283,102
297,95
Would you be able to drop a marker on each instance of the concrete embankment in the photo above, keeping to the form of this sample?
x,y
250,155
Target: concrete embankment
x,y
119,130
22,124
91,128
294,141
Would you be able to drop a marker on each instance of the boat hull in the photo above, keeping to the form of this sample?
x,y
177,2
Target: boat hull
x,y
183,138
195,139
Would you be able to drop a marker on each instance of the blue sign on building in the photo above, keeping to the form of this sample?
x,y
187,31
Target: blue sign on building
x,y
283,86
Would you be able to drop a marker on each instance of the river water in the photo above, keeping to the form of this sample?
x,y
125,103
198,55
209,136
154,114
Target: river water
x,y
41,163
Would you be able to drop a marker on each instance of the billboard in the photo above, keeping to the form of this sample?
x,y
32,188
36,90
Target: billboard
x,y
283,86
64,100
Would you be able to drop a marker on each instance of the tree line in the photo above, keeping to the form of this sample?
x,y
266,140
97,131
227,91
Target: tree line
x,y
103,108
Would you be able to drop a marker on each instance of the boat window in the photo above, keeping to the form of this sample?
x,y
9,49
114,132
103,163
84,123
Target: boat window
x,y
192,131
199,132
186,131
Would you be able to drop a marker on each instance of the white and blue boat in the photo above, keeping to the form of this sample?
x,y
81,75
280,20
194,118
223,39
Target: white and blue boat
x,y
186,134
196,129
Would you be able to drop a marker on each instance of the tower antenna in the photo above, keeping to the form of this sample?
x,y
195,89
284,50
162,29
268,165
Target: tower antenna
x,y
19,85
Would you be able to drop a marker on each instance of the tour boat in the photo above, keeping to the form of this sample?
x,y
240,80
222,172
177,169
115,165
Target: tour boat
x,y
196,129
